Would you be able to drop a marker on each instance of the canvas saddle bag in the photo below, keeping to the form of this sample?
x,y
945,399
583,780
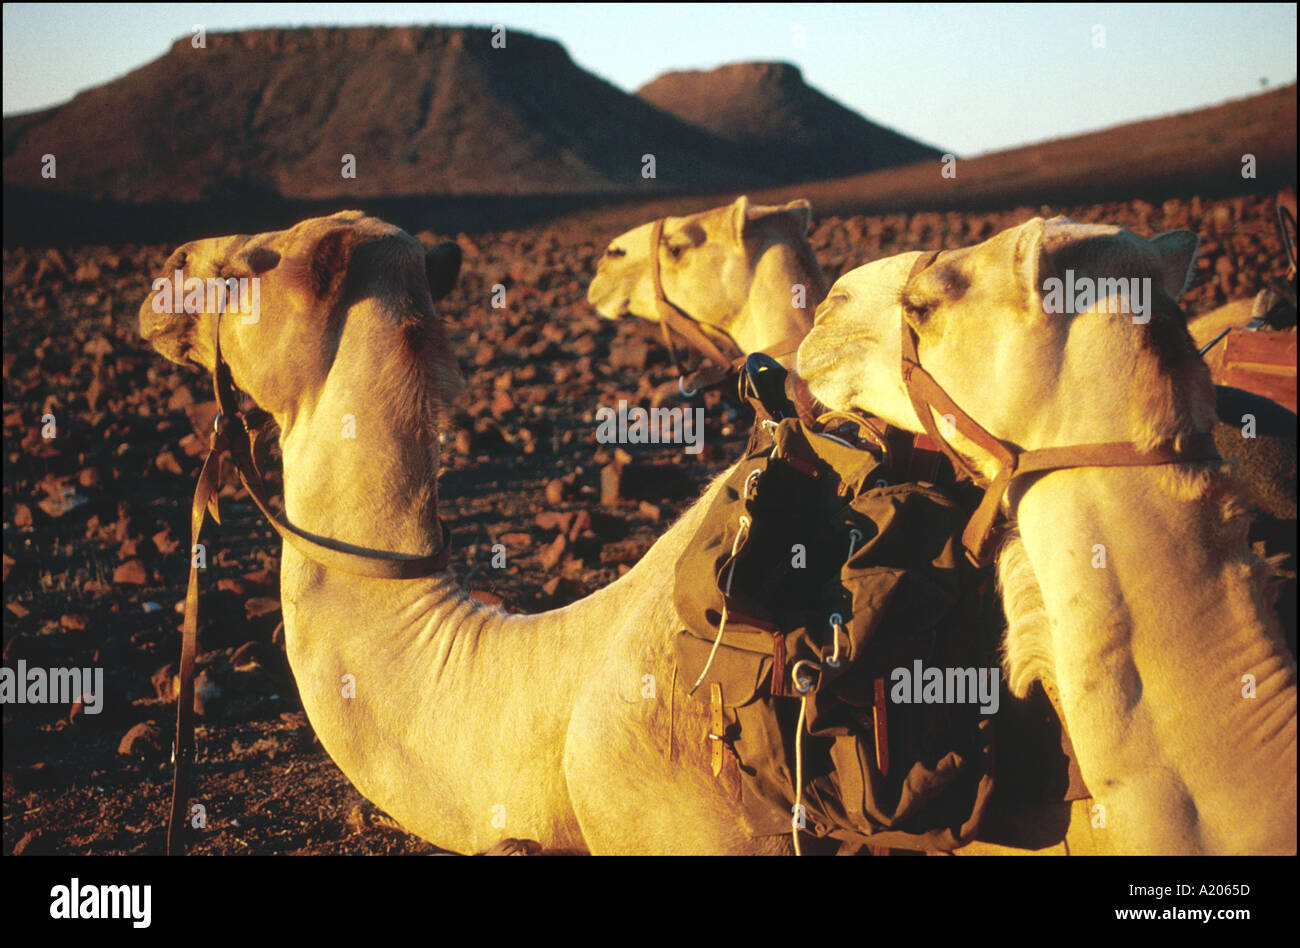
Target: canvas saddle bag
x,y
834,576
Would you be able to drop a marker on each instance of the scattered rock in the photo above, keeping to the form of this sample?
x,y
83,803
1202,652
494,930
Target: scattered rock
x,y
167,463
144,740
207,694
165,682
37,843
485,597
260,606
131,573
561,489
553,554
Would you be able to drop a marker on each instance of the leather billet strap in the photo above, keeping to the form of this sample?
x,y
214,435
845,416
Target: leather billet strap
x,y
1012,462
234,437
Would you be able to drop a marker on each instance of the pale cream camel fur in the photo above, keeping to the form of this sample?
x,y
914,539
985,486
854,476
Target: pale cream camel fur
x,y
469,726
743,270
1234,315
1175,683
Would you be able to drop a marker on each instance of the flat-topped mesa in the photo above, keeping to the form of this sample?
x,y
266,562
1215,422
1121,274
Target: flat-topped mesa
x,y
777,73
422,111
399,39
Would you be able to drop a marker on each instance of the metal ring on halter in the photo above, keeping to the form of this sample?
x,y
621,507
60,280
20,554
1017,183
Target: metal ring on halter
x,y
837,623
219,422
681,387
803,685
752,479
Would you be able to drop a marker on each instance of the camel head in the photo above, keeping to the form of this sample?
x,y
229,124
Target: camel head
x,y
1008,330
736,269
332,303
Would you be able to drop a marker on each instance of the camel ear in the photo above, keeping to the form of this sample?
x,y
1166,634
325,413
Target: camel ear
x,y
442,266
739,218
1177,252
801,210
329,261
1033,261
261,259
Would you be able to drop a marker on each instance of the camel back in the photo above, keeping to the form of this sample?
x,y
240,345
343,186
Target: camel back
x,y
833,533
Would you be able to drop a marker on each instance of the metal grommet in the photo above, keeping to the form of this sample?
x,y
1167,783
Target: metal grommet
x,y
681,387
803,685
751,480
855,537
837,623
219,423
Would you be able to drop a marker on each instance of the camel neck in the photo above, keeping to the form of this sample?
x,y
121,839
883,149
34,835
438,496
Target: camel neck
x,y
786,292
351,476
1156,630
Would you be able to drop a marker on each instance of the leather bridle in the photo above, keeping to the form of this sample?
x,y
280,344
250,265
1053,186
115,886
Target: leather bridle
x,y
1013,462
235,437
672,318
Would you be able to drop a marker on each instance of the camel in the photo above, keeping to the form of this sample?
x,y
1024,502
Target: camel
x,y
745,272
1130,590
470,726
1233,315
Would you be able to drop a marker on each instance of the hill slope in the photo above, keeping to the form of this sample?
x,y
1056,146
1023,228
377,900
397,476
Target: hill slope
x,y
793,130
424,110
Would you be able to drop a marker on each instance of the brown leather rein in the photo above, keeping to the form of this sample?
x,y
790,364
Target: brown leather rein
x,y
1013,462
235,437
672,318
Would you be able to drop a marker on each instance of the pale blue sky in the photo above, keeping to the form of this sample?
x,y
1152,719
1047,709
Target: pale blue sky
x,y
970,78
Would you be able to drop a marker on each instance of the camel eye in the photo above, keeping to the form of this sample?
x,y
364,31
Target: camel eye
x,y
675,252
919,309
615,252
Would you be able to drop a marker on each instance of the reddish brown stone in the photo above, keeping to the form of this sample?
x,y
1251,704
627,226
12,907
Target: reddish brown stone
x,y
131,572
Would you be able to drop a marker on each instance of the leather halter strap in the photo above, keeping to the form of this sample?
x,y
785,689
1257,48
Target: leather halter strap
x,y
673,318
235,437
1013,463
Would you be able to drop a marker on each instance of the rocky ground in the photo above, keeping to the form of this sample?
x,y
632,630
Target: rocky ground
x,y
102,443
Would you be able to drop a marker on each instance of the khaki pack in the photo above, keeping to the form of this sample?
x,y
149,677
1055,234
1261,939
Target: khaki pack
x,y
838,576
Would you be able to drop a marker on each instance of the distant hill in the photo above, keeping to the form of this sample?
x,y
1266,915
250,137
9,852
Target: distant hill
x,y
452,135
264,114
1191,153
424,110
794,131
